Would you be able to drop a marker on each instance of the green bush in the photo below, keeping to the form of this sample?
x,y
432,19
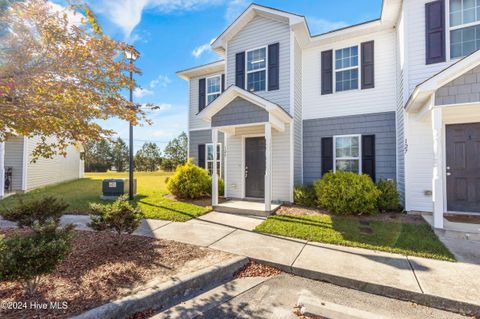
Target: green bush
x,y
304,195
119,217
221,187
346,193
389,200
189,181
36,213
27,258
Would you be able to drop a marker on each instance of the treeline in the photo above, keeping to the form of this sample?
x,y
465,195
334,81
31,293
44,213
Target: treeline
x,y
104,155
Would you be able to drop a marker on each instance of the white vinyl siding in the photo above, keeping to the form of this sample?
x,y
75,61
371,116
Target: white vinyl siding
x,y
46,171
260,32
355,102
298,123
14,159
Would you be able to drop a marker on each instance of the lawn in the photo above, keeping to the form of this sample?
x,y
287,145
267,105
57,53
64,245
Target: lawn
x,y
151,188
395,237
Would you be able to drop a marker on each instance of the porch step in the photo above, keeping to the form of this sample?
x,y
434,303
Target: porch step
x,y
245,208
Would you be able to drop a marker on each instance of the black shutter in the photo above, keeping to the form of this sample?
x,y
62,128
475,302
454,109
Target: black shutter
x,y
201,94
368,68
201,155
435,32
273,66
327,154
240,70
223,82
327,72
368,155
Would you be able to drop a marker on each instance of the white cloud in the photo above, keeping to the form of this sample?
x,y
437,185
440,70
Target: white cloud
x,y
200,50
318,25
234,9
140,92
127,14
161,80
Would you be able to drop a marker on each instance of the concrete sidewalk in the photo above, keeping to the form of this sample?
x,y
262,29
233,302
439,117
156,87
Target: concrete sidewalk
x,y
447,285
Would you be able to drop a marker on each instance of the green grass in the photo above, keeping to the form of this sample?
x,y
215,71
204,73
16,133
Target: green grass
x,y
394,237
151,188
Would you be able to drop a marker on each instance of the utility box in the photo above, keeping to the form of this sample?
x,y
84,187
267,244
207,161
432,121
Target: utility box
x,y
114,188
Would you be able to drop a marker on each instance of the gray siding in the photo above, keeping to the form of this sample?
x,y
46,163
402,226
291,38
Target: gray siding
x,y
382,125
297,117
239,111
464,89
259,32
202,137
14,159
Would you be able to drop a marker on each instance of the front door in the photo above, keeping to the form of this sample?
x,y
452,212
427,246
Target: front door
x,y
463,167
255,167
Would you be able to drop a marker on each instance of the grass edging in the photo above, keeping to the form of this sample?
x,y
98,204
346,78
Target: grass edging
x,y
165,294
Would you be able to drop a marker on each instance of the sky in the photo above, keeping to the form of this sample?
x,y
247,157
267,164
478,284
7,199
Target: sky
x,y
173,35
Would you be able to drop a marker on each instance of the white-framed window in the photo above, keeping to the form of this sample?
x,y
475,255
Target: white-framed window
x,y
256,65
210,157
347,153
464,27
346,69
214,88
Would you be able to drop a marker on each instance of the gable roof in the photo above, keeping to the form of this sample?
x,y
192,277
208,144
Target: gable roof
x,y
422,92
231,93
213,67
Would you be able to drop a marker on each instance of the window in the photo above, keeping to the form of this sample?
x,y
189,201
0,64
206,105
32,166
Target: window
x,y
257,69
346,69
214,88
347,153
464,27
210,158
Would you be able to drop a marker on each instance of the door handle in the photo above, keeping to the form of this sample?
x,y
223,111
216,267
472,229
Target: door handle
x,y
448,174
246,171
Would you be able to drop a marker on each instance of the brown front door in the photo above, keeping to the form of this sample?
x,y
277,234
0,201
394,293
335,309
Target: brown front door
x,y
463,167
255,167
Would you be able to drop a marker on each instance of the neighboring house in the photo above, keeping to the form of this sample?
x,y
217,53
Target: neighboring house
x,y
18,173
395,98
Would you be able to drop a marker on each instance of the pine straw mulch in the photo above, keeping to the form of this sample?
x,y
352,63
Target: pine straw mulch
x,y
97,272
254,269
203,201
384,217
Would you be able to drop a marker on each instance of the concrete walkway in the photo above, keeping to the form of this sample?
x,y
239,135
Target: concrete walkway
x,y
453,286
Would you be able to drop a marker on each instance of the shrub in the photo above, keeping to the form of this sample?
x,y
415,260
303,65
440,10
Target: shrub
x,y
36,213
345,193
189,181
27,258
119,217
221,187
389,200
304,195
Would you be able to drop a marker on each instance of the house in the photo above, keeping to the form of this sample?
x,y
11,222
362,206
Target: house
x,y
395,98
18,173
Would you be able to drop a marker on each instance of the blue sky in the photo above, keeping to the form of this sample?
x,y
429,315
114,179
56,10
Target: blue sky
x,y
175,34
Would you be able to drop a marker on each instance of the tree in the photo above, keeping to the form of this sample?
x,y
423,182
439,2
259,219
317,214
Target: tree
x,y
98,156
148,158
120,155
175,152
58,78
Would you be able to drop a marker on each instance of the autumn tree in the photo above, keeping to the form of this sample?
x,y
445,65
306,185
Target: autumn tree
x,y
175,153
58,78
148,158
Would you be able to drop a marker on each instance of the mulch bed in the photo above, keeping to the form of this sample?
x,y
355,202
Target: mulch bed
x,y
97,272
254,269
203,202
384,217
469,219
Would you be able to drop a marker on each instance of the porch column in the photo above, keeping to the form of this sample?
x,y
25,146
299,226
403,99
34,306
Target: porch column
x,y
214,173
268,167
2,169
437,182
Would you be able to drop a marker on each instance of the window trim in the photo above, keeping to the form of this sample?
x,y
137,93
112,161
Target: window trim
x,y
259,70
219,164
346,69
218,75
449,30
359,158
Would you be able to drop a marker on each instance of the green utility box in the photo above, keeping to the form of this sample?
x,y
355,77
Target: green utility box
x,y
114,188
